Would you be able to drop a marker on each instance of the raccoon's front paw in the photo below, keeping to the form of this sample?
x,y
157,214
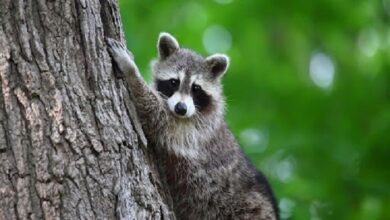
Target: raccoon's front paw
x,y
122,57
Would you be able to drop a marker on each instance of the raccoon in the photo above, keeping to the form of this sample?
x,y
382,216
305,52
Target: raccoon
x,y
182,115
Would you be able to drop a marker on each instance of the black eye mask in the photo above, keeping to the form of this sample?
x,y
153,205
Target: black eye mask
x,y
201,99
167,87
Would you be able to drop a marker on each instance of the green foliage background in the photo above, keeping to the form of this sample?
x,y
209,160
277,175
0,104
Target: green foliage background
x,y
325,149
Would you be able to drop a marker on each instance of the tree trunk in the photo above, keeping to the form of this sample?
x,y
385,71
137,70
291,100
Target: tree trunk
x,y
71,146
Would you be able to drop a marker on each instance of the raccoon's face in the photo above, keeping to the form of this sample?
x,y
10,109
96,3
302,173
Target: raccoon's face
x,y
189,83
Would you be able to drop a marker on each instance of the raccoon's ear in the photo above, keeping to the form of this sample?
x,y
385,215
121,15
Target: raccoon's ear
x,y
218,64
166,45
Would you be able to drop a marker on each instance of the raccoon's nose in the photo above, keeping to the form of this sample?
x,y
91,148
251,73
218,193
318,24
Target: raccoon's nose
x,y
181,108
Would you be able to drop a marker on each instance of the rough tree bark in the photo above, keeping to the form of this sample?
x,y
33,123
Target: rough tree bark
x,y
71,146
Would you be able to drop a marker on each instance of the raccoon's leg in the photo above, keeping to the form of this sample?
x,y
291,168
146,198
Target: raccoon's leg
x,y
148,104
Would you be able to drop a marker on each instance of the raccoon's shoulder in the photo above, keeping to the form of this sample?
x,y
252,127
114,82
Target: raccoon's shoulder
x,y
223,138
222,146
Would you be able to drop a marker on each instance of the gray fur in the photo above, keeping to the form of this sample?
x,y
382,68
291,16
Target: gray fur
x,y
208,175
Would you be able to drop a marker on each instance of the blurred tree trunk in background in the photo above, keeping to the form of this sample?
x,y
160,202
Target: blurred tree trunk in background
x,y
71,146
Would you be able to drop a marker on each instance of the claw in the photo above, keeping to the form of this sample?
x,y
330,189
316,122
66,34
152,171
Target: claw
x,y
109,39
111,42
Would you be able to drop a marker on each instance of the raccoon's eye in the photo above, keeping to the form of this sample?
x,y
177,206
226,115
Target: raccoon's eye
x,y
174,82
196,88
